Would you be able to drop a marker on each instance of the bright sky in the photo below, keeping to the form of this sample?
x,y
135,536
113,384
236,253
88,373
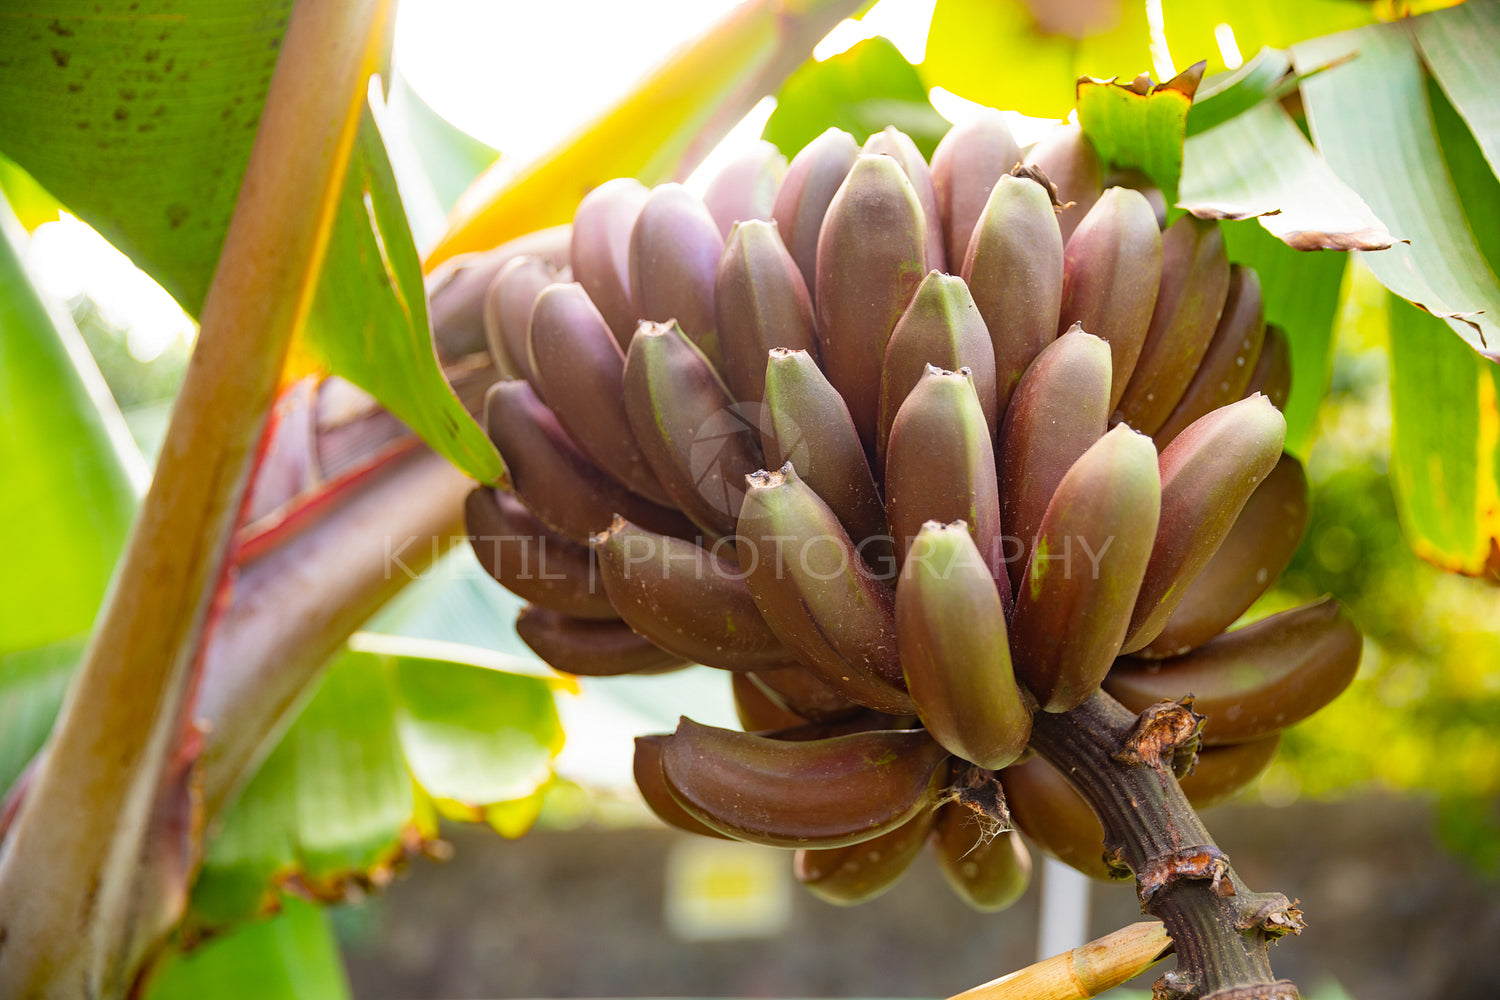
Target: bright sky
x,y
522,76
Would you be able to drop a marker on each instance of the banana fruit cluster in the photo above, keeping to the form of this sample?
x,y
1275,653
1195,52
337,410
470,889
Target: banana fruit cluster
x,y
913,451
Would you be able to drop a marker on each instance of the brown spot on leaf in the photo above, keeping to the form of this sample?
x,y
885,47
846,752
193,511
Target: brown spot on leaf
x,y
91,893
59,29
1358,239
61,57
177,214
1215,213
122,113
1369,238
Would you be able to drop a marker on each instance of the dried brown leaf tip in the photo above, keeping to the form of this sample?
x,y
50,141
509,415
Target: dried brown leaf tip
x,y
1160,732
1186,82
1032,172
979,790
1355,239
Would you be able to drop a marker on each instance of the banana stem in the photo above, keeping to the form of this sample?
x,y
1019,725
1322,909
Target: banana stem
x,y
1123,766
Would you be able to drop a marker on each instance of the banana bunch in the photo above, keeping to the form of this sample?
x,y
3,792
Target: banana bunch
x,y
913,451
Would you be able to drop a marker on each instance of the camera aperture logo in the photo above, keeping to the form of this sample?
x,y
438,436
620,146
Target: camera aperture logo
x,y
716,454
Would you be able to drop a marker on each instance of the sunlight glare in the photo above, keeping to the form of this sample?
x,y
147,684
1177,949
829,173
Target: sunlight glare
x,y
740,138
524,76
1161,55
1024,128
1228,47
71,260
904,22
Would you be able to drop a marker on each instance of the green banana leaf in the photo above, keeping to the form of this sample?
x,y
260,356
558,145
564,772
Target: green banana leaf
x,y
1459,47
1445,442
1259,164
179,85
73,478
397,733
32,684
1225,95
1143,131
1435,185
72,474
169,94
861,90
292,956
369,318
997,53
1393,161
1472,174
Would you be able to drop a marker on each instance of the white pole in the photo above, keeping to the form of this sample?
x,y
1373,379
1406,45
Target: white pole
x,y
1064,920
